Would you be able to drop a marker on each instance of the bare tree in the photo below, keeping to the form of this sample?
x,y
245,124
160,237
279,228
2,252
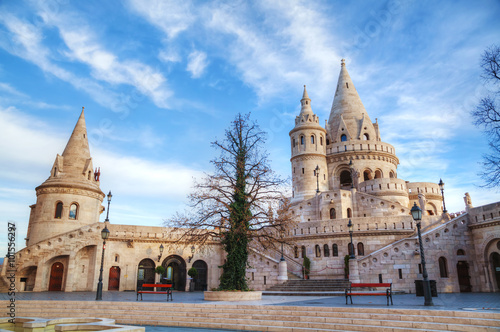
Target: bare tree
x,y
487,116
240,204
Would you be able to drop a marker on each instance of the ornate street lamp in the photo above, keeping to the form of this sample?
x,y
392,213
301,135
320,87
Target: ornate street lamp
x,y
161,252
351,168
104,235
109,201
441,186
350,226
416,213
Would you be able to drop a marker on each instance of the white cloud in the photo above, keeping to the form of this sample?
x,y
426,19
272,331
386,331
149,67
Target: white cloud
x,y
170,16
25,41
197,62
84,46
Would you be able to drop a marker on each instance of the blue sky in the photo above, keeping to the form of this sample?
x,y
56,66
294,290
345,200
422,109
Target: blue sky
x,y
160,80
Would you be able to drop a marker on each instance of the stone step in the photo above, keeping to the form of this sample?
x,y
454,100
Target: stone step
x,y
165,306
267,318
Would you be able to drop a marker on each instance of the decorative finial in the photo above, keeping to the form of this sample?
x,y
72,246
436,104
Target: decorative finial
x,y
342,62
83,108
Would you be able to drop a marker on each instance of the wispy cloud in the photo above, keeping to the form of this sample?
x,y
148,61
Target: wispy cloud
x,y
197,62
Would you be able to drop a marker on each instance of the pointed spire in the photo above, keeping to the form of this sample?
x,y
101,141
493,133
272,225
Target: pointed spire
x,y
78,144
305,102
347,104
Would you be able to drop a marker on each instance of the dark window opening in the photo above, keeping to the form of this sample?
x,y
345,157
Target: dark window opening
x,y
318,251
302,140
343,138
59,208
361,249
333,215
335,250
400,271
443,267
326,250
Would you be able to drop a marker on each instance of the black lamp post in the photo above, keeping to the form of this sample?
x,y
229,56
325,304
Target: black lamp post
x,y
104,235
316,170
161,252
351,168
350,226
109,201
416,213
441,186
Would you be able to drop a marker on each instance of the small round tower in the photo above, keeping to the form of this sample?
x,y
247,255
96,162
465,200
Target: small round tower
x,y
308,144
71,197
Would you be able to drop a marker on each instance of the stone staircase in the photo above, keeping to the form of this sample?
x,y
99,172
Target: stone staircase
x,y
327,287
265,317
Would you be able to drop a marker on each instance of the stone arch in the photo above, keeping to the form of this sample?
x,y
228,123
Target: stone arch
x,y
27,278
392,175
85,268
333,214
178,274
146,272
433,210
378,174
201,281
345,178
367,175
58,276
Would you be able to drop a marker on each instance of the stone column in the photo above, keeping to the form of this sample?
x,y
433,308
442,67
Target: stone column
x,y
282,272
353,271
70,272
40,273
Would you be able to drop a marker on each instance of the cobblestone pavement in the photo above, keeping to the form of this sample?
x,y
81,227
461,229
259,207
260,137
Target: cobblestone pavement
x,y
450,301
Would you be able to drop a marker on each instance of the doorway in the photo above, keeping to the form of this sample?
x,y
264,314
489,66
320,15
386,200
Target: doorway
x,y
146,273
56,277
464,277
495,264
200,283
177,275
114,278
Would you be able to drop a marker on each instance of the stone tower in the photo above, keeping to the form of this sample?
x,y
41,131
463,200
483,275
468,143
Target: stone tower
x,y
71,197
308,142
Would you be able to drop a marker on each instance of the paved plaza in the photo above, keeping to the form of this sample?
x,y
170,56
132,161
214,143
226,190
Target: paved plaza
x,y
488,302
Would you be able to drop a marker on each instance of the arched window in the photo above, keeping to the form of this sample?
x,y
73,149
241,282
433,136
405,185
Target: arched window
x,y
343,138
90,173
460,252
391,175
302,140
312,139
345,178
367,175
335,250
326,250
332,213
443,267
55,171
349,213
350,249
327,141
318,251
73,211
361,249
366,137
321,140
378,174
296,252
294,142
303,251
59,208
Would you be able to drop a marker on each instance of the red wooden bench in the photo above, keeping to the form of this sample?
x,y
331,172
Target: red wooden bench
x,y
353,290
168,290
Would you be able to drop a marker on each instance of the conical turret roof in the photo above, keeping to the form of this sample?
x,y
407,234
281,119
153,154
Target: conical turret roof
x,y
347,106
74,167
77,149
